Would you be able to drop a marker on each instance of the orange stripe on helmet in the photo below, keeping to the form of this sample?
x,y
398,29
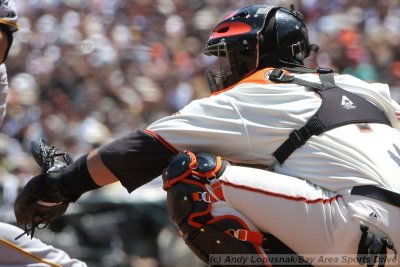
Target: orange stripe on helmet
x,y
229,29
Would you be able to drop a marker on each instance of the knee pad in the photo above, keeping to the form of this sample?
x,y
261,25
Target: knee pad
x,y
184,180
189,204
183,206
201,167
226,235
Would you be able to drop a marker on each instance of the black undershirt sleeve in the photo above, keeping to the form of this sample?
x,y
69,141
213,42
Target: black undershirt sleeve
x,y
136,159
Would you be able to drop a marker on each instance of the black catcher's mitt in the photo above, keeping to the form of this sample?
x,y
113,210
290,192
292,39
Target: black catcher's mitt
x,y
41,201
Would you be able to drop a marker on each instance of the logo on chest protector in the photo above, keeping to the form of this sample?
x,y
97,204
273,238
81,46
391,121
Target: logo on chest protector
x,y
346,103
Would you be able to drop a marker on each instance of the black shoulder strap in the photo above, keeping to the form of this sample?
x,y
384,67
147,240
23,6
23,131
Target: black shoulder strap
x,y
339,107
326,77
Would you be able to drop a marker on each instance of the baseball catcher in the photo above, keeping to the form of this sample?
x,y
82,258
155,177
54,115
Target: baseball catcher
x,y
329,145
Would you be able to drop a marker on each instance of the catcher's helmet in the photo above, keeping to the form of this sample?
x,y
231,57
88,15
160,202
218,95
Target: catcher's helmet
x,y
255,37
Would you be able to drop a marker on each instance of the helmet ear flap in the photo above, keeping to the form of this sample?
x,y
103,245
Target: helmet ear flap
x,y
285,39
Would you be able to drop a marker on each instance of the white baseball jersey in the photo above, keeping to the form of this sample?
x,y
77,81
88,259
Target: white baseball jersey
x,y
247,124
26,252
316,214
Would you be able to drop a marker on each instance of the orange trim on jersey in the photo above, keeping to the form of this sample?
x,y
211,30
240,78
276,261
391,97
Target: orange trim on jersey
x,y
162,140
28,254
258,77
279,195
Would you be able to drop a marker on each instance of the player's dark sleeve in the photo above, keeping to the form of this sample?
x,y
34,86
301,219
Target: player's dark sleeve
x,y
137,158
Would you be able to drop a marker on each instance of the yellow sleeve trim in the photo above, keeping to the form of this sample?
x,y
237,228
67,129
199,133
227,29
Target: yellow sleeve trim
x,y
14,26
27,254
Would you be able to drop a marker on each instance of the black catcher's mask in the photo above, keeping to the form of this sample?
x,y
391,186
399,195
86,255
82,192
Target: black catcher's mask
x,y
255,37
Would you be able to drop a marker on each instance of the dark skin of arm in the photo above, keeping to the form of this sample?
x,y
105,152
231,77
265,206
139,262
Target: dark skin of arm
x,y
100,174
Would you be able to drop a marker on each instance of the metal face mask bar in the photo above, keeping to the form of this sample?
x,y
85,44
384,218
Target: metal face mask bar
x,y
222,69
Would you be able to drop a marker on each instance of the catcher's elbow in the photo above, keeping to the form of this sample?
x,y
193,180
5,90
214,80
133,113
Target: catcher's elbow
x,y
99,172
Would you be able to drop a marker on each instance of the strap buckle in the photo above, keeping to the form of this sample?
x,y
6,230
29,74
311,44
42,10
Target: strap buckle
x,y
276,74
297,48
321,70
215,190
204,196
279,76
240,234
297,138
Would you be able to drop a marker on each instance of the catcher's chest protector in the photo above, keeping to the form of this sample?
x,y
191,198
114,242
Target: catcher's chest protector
x,y
339,107
192,186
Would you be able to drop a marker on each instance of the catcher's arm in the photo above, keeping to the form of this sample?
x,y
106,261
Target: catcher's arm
x,y
44,198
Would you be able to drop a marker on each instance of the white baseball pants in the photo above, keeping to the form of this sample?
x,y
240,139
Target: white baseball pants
x,y
321,225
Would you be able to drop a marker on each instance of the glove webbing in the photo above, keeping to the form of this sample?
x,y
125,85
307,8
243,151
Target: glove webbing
x,y
30,229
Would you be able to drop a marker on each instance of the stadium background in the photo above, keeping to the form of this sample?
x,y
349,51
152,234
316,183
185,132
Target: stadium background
x,y
84,72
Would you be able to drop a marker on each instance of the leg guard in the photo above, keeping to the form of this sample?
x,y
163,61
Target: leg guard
x,y
189,204
222,235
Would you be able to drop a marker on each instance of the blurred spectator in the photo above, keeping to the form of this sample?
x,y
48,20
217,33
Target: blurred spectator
x,y
126,63
83,72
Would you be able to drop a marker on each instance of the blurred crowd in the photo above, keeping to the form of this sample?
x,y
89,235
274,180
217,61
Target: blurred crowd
x,y
84,72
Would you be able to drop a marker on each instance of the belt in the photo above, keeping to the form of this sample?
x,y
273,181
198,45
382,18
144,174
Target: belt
x,y
377,193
